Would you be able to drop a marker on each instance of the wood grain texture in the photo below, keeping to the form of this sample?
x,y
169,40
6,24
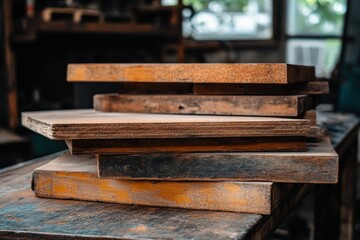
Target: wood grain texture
x,y
278,106
309,88
24,216
117,146
319,164
89,124
75,177
263,73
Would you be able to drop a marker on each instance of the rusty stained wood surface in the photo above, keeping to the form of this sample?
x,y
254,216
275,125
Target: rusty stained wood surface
x,y
319,164
116,146
24,216
90,124
256,73
75,177
274,106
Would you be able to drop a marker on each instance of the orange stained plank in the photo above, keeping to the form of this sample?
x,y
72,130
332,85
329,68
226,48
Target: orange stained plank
x,y
257,73
75,177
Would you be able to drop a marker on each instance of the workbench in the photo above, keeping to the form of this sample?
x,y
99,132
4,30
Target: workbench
x,y
24,216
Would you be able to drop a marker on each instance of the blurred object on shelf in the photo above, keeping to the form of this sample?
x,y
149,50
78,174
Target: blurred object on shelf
x,y
13,148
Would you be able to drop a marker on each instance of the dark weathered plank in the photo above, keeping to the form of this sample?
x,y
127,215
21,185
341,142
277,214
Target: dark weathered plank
x,y
276,106
309,88
259,73
75,177
90,124
23,216
319,164
116,146
155,88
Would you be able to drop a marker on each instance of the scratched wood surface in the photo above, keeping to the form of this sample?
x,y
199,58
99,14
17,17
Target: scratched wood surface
x,y
75,177
90,124
24,216
116,146
259,73
309,88
319,164
276,106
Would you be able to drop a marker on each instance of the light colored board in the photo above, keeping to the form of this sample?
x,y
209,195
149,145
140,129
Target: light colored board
x,y
275,106
116,146
309,88
319,164
89,124
257,73
75,177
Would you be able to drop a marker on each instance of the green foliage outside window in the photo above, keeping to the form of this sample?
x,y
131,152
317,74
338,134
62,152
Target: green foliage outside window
x,y
230,5
317,16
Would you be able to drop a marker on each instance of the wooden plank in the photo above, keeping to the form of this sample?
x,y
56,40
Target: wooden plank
x,y
75,177
90,124
24,216
262,73
311,116
278,106
155,88
309,88
317,132
319,164
116,146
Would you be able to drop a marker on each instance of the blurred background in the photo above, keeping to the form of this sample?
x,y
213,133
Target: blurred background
x,y
39,39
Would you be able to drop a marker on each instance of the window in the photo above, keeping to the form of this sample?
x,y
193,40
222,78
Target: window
x,y
314,29
228,19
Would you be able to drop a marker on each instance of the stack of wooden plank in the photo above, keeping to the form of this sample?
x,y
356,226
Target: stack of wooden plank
x,y
170,140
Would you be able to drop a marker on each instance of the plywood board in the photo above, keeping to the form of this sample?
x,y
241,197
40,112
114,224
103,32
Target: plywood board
x,y
90,124
117,146
309,88
319,164
256,73
75,177
276,106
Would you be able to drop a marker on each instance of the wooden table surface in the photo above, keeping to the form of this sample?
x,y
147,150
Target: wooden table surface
x,y
23,216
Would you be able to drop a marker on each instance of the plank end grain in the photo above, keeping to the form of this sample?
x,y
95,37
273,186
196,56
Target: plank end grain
x,y
43,128
297,73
